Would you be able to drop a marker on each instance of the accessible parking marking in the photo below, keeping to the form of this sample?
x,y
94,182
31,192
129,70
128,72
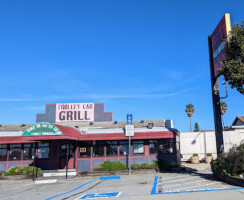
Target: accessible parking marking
x,y
159,186
101,195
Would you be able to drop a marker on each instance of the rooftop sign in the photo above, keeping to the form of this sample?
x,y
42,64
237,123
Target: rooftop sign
x,y
42,129
74,112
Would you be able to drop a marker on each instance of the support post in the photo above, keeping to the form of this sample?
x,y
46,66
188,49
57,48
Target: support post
x,y
216,103
67,158
129,155
34,164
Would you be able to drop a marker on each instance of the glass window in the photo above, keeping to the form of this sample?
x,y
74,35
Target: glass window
x,y
29,151
123,148
159,147
15,152
3,152
138,147
154,147
111,148
98,149
43,150
84,150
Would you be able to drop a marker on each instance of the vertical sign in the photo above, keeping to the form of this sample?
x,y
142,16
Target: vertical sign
x,y
129,131
219,37
129,119
216,44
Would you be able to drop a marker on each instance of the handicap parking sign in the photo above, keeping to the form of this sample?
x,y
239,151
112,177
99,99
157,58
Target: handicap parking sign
x,y
101,195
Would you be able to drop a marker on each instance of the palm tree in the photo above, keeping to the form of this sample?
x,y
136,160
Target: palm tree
x,y
190,111
223,108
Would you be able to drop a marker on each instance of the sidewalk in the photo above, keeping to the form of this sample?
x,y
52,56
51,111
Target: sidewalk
x,y
196,167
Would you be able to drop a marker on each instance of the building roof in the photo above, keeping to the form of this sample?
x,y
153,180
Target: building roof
x,y
95,133
241,118
83,126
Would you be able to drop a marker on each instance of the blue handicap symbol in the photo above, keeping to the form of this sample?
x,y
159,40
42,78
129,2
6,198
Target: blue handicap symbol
x,y
101,195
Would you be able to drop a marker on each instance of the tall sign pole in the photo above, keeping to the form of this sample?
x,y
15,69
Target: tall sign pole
x,y
216,44
129,131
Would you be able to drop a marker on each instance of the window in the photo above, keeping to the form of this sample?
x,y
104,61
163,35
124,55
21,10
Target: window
x,y
123,148
98,149
3,152
159,147
84,150
29,151
111,148
138,147
15,152
43,150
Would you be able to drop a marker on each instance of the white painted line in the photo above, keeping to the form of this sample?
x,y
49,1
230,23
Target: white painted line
x,y
171,177
185,183
59,174
196,186
46,181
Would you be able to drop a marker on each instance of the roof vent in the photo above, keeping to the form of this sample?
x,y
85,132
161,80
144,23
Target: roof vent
x,y
150,125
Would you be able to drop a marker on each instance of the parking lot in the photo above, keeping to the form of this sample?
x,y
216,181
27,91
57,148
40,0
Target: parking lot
x,y
183,185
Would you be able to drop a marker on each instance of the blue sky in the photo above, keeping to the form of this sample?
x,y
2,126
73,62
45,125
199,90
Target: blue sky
x,y
144,57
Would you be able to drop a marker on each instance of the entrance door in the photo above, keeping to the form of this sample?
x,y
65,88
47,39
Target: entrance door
x,y
63,154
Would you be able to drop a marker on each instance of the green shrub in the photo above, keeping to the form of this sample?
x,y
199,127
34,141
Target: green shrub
x,y
161,164
145,166
173,165
1,173
231,163
111,166
27,170
135,166
195,154
208,154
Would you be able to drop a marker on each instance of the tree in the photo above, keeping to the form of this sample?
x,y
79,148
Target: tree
x,y
196,128
223,108
233,65
190,111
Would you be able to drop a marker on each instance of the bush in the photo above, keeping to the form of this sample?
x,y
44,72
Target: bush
x,y
208,154
1,173
161,164
231,163
111,166
173,165
135,166
195,154
27,170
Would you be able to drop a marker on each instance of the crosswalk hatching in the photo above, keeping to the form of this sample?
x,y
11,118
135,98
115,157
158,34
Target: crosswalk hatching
x,y
184,182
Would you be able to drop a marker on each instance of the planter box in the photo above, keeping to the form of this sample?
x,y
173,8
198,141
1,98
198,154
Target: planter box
x,y
109,173
16,177
233,180
195,159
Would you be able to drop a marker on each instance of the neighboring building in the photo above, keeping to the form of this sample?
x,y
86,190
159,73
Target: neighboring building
x,y
238,122
88,144
205,142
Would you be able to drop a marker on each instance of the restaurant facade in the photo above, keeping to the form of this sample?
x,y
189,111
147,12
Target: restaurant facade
x,y
83,145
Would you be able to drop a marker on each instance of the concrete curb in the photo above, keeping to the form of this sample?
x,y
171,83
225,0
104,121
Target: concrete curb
x,y
46,181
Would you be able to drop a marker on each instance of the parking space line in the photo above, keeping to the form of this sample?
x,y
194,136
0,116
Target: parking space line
x,y
72,190
195,186
185,183
205,190
153,192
